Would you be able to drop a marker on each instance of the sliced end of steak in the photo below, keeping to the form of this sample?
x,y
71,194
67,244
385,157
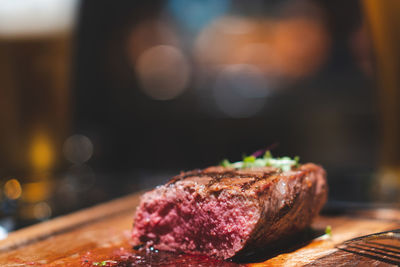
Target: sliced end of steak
x,y
221,211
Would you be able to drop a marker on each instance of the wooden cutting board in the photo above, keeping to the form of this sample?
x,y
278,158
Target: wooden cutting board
x,y
101,235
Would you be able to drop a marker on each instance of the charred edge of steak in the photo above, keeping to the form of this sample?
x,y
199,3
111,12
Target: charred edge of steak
x,y
297,212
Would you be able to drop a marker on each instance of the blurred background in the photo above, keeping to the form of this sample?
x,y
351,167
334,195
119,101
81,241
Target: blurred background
x,y
99,98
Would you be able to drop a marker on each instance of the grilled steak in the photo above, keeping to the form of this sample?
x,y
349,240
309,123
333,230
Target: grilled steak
x,y
223,211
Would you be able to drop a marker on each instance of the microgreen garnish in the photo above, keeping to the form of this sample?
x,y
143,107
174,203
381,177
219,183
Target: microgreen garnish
x,y
249,159
225,163
328,230
103,263
297,159
284,163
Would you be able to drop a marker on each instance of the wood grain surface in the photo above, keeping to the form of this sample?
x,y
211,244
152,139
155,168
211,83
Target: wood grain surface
x,y
103,232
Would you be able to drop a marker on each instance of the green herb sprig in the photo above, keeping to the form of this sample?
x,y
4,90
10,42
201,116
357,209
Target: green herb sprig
x,y
284,163
104,263
328,230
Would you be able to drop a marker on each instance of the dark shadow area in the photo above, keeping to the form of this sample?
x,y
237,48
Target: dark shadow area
x,y
285,245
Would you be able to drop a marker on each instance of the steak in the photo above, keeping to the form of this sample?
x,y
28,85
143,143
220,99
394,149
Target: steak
x,y
224,212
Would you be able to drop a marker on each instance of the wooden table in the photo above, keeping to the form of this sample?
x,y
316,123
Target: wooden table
x,y
103,232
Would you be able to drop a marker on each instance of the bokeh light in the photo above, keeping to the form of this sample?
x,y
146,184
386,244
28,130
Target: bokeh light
x,y
80,177
150,33
78,149
300,46
247,80
37,191
240,90
42,211
163,72
290,47
219,42
41,152
66,195
12,189
195,14
3,233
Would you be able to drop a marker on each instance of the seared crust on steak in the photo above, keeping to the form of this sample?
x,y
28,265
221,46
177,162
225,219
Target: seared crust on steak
x,y
286,202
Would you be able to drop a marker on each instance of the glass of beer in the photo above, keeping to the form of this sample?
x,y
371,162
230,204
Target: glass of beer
x,y
384,24
35,52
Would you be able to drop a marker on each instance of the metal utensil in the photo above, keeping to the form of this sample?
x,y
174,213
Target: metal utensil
x,y
384,246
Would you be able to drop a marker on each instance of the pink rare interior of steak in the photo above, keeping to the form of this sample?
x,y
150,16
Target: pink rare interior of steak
x,y
181,219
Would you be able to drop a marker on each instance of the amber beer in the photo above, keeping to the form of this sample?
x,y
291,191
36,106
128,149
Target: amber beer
x,y
35,48
384,23
35,56
34,100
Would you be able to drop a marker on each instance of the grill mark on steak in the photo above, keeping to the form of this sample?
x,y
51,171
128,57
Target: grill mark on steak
x,y
216,177
246,186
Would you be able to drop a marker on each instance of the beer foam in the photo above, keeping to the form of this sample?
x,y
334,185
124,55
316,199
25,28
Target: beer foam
x,y
30,18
